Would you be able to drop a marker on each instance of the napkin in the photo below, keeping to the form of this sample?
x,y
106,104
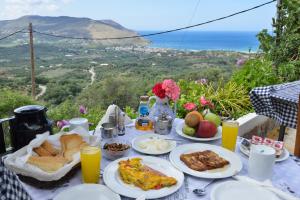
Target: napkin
x,y
111,110
267,185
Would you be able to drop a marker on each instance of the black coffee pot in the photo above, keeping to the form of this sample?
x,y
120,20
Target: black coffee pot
x,y
27,122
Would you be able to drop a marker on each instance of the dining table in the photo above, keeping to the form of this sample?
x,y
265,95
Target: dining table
x,y
286,174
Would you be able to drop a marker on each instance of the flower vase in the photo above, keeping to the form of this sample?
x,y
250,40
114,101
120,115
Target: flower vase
x,y
161,106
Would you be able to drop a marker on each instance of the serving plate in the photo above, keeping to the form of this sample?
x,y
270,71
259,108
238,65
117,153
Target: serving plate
x,y
88,191
152,151
232,169
237,190
285,154
113,180
179,132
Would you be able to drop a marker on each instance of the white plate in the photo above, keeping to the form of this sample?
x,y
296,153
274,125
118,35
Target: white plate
x,y
88,191
179,132
237,190
233,168
285,154
113,180
144,137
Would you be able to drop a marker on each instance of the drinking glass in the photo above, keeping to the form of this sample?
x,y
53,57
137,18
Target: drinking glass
x,y
230,131
90,163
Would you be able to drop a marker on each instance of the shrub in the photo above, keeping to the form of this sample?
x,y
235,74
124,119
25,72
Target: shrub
x,y
254,73
13,99
230,99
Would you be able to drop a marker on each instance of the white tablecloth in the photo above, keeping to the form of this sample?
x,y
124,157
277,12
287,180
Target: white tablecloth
x,y
286,174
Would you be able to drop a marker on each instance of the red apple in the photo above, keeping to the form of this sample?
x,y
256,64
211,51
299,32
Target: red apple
x,y
206,129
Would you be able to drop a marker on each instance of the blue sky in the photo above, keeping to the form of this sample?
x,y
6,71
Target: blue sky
x,y
150,14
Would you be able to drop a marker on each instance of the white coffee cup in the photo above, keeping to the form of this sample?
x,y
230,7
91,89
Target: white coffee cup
x,y
261,162
80,124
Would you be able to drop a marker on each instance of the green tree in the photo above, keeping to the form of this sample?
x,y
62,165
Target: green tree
x,y
283,47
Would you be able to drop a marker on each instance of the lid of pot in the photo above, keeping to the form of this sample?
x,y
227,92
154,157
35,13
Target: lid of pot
x,y
30,109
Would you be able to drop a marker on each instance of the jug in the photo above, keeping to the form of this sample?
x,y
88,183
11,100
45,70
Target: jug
x,y
27,122
161,106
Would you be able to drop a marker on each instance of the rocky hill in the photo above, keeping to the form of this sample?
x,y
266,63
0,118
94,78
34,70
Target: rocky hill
x,y
70,26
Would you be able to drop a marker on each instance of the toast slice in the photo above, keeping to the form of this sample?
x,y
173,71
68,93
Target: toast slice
x,y
41,151
47,163
203,160
49,147
71,144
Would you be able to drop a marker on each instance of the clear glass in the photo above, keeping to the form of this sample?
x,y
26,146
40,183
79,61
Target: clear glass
x,y
90,163
230,131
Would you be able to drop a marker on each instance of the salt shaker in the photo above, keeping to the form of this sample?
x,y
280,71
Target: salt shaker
x,y
121,124
163,124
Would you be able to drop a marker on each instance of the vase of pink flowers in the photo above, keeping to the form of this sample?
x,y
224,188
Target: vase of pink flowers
x,y
164,92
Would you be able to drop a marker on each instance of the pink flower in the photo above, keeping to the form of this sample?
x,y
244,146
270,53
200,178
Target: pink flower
x,y
240,62
203,81
62,123
205,102
171,89
82,109
190,106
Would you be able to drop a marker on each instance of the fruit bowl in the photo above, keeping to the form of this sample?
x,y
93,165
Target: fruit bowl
x,y
180,125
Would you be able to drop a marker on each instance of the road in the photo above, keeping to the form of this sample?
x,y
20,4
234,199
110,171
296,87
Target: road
x,y
93,75
43,91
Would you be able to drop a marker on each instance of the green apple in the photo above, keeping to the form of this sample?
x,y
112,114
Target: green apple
x,y
213,118
188,130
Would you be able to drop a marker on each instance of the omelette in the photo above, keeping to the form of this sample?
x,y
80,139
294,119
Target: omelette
x,y
132,171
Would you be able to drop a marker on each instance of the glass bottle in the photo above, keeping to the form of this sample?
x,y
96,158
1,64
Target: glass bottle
x,y
143,122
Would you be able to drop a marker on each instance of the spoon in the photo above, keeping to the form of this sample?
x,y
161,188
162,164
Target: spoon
x,y
202,191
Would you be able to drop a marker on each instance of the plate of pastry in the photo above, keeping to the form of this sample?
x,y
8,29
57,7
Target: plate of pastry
x,y
153,144
205,160
146,176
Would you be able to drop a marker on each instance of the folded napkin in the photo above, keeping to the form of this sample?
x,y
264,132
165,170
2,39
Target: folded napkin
x,y
111,110
267,185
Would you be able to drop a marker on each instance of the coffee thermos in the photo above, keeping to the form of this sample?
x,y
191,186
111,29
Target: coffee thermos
x,y
27,122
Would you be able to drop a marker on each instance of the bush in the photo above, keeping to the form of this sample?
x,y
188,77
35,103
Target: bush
x,y
9,100
230,99
255,73
70,109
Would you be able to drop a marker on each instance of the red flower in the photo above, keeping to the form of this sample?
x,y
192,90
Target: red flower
x,y
159,91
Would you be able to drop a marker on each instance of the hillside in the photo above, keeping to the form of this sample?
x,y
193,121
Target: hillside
x,y
69,26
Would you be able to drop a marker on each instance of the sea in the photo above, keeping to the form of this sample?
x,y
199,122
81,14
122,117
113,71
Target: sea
x,y
240,41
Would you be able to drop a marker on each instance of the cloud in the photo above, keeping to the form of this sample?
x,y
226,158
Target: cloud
x,y
17,8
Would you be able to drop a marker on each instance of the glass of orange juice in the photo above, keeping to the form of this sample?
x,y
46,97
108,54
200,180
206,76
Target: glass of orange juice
x,y
90,163
230,131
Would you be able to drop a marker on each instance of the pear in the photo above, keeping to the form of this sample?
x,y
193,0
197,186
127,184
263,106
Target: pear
x,y
213,118
188,130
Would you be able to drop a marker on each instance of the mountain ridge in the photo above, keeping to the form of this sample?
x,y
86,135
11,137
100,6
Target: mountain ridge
x,y
73,27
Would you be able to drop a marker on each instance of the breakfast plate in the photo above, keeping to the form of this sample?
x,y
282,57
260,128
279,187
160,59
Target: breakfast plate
x,y
232,168
88,191
113,180
153,144
284,155
179,132
237,190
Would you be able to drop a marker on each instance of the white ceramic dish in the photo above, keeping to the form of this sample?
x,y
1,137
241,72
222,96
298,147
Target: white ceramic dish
x,y
152,151
179,132
285,154
88,191
113,180
237,190
232,169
